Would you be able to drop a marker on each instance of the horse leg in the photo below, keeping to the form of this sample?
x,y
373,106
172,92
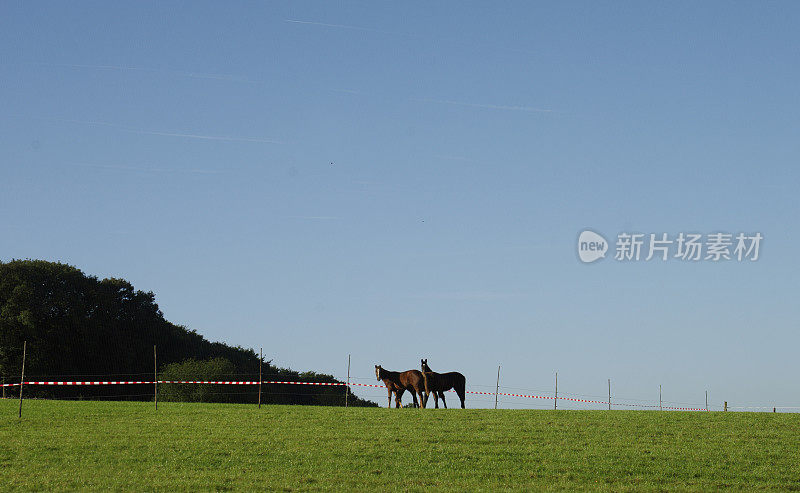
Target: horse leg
x,y
398,398
414,397
390,399
421,399
444,403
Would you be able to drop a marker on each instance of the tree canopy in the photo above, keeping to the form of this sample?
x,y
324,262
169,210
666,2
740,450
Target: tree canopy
x,y
78,326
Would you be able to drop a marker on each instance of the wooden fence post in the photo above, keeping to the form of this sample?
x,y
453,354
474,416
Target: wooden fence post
x,y
347,386
497,387
155,377
22,377
555,399
726,406
706,400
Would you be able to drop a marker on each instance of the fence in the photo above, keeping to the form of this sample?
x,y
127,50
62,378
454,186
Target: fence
x,y
336,384
349,384
614,404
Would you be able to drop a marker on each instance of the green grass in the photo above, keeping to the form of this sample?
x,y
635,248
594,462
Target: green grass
x,y
60,445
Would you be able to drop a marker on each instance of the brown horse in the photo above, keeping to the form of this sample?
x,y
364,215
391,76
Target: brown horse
x,y
438,383
398,383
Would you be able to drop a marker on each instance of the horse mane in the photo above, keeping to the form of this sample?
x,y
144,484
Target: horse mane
x,y
385,374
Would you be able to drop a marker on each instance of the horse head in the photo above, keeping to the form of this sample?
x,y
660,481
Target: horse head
x,y
378,371
424,365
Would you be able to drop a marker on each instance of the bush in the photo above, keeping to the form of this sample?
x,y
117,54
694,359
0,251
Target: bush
x,y
192,369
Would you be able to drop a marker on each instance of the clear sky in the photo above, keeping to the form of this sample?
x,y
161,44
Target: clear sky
x,y
405,181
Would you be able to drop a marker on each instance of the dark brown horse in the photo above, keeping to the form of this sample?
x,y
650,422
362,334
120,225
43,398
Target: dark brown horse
x,y
439,383
398,383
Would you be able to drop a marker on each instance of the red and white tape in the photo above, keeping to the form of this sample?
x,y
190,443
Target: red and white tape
x,y
77,383
337,384
207,382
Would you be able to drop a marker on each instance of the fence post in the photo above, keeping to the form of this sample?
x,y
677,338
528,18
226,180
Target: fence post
x,y
706,400
4,387
660,407
609,394
22,377
774,410
555,400
497,387
260,360
155,377
726,406
347,387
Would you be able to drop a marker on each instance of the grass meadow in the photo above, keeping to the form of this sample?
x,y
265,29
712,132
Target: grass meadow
x,y
90,445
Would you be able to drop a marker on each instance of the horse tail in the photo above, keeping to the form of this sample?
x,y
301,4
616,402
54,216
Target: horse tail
x,y
459,385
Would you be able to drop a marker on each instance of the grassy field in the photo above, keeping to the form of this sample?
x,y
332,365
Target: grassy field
x,y
60,445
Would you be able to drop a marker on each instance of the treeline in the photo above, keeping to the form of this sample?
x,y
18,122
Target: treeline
x,y
78,327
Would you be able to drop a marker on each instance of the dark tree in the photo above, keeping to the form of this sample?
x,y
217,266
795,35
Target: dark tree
x,y
79,327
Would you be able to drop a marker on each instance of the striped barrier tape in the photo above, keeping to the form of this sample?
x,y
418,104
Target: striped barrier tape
x,y
76,383
604,403
338,384
138,382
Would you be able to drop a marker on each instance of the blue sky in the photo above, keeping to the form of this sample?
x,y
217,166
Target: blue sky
x,y
187,147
